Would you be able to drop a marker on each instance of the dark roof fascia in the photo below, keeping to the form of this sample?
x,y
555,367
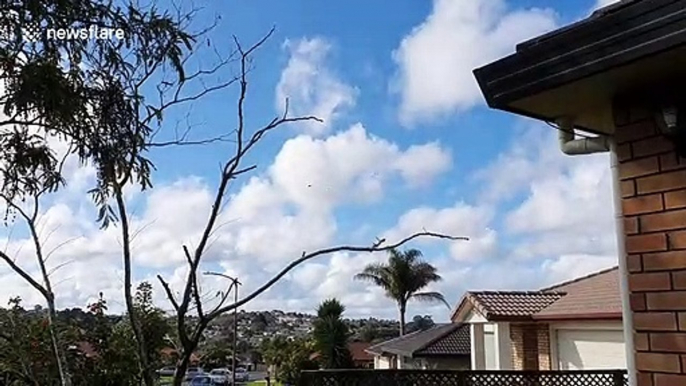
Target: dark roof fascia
x,y
508,318
585,316
442,355
463,302
596,45
398,352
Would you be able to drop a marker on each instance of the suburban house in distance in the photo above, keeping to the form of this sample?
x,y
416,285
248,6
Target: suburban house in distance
x,y
443,346
575,325
361,358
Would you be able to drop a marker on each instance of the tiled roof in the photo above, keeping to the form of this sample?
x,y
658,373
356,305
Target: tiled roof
x,y
596,294
358,350
442,339
588,297
455,342
512,303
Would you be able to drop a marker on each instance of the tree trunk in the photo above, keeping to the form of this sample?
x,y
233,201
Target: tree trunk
x,y
146,370
65,376
402,319
181,368
58,350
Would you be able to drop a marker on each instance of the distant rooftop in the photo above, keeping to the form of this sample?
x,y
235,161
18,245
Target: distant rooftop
x,y
440,340
593,296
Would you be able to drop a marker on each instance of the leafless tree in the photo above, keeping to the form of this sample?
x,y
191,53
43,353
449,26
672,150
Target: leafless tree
x,y
190,303
43,285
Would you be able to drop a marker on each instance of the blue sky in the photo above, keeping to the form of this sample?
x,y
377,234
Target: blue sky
x,y
407,144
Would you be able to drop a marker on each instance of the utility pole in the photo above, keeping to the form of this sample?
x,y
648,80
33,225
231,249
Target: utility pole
x,y
236,283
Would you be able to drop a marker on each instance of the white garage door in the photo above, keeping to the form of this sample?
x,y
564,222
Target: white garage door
x,y
590,349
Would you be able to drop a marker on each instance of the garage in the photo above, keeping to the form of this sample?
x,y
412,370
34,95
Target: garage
x,y
590,349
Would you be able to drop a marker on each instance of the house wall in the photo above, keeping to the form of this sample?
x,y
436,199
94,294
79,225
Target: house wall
x,y
530,346
653,190
381,362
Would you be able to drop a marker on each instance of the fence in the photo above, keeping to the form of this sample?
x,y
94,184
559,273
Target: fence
x,y
463,378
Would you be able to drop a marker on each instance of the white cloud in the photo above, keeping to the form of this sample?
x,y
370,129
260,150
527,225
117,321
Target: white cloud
x,y
268,221
458,220
351,166
436,59
569,267
567,206
421,163
310,87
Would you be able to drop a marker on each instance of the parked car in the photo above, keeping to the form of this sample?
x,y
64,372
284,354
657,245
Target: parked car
x,y
193,372
202,380
220,376
167,371
242,374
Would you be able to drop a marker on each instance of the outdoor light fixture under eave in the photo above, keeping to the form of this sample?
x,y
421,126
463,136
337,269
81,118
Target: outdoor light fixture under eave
x,y
671,121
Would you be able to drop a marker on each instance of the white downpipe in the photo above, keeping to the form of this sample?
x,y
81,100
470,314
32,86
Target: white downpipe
x,y
571,146
627,317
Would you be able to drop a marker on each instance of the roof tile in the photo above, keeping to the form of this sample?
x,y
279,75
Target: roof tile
x,y
597,294
442,339
513,303
592,296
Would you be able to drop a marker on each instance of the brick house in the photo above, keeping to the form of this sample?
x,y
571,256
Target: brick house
x,y
615,82
575,325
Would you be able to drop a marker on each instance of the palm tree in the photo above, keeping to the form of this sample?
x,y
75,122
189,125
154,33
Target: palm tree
x,y
402,278
331,335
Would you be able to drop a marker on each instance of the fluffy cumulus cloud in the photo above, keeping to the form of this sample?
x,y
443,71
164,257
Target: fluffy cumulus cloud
x,y
267,221
566,206
310,87
351,166
435,60
552,222
458,220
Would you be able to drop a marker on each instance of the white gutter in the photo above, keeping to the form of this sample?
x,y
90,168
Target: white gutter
x,y
572,146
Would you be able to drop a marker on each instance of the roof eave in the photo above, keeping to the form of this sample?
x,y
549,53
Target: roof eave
x,y
597,45
440,355
584,316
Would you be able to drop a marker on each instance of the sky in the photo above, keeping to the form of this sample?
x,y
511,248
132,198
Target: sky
x,y
407,143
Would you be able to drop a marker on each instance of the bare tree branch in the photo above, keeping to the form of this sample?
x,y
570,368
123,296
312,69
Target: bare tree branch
x,y
184,142
24,275
225,294
58,246
170,295
376,247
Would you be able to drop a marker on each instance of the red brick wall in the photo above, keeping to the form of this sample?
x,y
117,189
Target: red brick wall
x,y
530,346
653,189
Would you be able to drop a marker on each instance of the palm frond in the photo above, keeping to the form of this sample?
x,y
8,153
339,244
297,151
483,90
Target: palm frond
x,y
412,255
426,272
378,280
430,297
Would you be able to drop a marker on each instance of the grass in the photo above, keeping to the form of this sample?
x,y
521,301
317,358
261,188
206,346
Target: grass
x,y
165,381
263,383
